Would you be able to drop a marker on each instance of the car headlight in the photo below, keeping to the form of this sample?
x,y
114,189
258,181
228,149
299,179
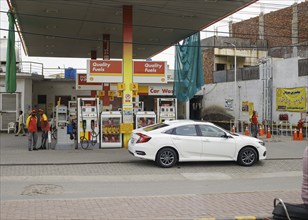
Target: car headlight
x,y
262,143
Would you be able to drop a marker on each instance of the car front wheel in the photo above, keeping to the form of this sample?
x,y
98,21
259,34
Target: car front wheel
x,y
166,157
247,156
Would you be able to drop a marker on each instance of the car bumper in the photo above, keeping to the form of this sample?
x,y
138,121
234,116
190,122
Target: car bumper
x,y
262,153
140,151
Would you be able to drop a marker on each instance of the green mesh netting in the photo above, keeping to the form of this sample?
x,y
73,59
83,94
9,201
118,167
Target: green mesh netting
x,y
188,74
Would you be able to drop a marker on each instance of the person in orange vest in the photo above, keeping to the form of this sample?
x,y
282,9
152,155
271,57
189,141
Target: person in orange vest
x,y
31,124
45,128
254,124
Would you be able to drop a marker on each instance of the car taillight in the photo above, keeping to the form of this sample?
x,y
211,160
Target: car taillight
x,y
143,138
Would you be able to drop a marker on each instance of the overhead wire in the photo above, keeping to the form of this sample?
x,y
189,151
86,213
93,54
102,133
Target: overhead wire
x,y
151,44
157,27
144,26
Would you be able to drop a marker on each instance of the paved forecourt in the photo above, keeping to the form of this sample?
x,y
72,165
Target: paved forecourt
x,y
116,165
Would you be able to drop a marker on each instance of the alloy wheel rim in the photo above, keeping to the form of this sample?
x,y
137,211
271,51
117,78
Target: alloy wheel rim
x,y
248,157
167,158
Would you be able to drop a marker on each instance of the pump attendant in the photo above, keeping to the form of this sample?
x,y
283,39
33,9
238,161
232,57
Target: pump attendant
x,y
45,128
31,124
254,124
21,124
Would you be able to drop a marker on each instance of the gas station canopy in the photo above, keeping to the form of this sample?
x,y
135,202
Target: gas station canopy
x,y
62,28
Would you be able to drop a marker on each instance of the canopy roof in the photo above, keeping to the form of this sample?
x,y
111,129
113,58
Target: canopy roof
x,y
62,28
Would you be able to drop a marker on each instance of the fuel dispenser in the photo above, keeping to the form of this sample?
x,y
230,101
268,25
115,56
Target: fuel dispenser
x,y
111,136
88,120
166,109
63,138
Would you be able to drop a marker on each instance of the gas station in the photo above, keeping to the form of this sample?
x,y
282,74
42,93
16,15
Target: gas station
x,y
117,38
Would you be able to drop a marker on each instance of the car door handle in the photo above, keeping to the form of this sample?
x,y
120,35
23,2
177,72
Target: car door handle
x,y
176,138
205,140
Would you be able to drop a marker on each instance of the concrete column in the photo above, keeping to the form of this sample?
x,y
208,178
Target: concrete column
x,y
294,29
261,26
127,103
187,108
230,29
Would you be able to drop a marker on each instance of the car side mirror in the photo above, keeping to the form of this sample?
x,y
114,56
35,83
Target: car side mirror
x,y
226,135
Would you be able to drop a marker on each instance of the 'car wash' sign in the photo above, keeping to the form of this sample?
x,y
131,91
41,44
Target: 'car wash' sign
x,y
160,90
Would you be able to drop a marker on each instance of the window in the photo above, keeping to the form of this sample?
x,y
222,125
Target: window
x,y
211,131
41,99
220,66
187,130
155,126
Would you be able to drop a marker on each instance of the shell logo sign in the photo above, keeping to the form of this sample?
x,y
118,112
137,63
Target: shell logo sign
x,y
112,71
150,71
83,84
104,71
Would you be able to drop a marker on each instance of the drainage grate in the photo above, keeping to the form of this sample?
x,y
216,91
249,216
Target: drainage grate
x,y
42,189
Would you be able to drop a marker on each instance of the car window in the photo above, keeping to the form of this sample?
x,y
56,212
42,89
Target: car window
x,y
187,130
169,131
155,126
211,131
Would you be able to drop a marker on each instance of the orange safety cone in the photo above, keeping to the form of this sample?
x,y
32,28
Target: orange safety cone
x,y
233,129
261,131
268,134
246,131
295,135
300,136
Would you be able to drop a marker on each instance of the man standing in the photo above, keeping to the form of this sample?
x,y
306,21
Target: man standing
x,y
21,124
254,124
45,128
31,124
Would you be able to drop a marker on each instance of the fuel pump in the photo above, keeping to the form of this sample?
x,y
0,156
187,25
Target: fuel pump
x,y
166,109
88,120
63,138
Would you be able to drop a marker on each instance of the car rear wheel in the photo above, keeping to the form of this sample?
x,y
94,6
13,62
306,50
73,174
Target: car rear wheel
x,y
247,156
166,157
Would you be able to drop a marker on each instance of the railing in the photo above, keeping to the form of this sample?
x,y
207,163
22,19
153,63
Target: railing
x,y
59,72
30,68
280,129
247,73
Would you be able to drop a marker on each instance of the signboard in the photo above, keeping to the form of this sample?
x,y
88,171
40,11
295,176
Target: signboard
x,y
160,90
126,128
149,71
104,71
83,84
245,106
291,99
229,104
111,71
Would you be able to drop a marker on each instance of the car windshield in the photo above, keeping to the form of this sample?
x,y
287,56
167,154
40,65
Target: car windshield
x,y
155,126
229,132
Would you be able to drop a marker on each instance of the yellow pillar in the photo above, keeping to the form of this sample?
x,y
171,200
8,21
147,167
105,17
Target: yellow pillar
x,y
127,102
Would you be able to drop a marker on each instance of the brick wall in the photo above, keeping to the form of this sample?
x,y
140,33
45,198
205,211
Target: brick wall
x,y
277,29
207,65
302,10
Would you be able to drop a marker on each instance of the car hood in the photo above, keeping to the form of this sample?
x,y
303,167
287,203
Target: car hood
x,y
244,138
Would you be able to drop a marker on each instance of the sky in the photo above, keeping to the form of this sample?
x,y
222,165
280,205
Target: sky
x,y
253,10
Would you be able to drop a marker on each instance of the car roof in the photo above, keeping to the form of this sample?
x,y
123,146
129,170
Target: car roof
x,y
185,122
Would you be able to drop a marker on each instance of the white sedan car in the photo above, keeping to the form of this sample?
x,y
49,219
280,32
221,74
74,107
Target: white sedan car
x,y
184,140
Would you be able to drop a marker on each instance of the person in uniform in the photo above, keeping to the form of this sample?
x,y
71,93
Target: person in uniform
x,y
45,128
31,124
